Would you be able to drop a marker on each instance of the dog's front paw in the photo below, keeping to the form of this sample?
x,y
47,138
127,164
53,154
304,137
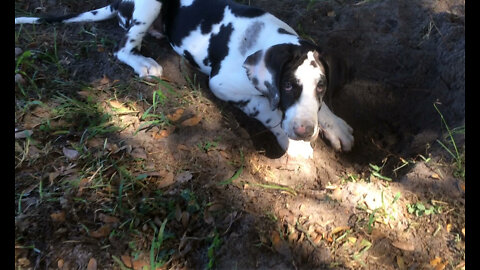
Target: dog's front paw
x,y
149,67
299,149
339,133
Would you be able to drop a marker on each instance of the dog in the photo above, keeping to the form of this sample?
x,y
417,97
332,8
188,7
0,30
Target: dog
x,y
254,61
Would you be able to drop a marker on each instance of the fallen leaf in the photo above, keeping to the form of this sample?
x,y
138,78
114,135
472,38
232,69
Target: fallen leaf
x,y
163,133
182,147
104,80
449,227
116,104
435,261
185,218
167,180
331,13
183,177
19,78
280,245
435,176
339,229
400,263
192,121
103,231
127,261
92,264
108,219
58,216
52,176
70,153
207,217
60,263
23,134
175,115
463,232
139,153
403,245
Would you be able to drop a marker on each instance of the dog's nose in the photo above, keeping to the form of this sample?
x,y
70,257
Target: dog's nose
x,y
303,131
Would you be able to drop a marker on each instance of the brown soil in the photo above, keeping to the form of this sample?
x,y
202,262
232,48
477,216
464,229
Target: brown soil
x,y
331,213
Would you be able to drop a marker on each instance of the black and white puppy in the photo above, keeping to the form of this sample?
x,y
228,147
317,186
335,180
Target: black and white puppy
x,y
254,61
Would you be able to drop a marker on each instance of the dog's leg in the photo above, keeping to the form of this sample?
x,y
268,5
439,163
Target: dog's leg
x,y
335,129
144,14
259,108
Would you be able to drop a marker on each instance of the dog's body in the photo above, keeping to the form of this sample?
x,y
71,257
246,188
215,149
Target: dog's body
x,y
254,60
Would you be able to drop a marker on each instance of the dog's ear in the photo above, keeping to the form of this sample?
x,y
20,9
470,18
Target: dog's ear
x,y
339,71
262,78
264,69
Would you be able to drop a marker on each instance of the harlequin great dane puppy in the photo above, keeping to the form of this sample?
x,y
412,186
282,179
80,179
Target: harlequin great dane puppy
x,y
254,61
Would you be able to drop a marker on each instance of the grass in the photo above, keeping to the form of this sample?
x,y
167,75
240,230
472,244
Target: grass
x,y
450,146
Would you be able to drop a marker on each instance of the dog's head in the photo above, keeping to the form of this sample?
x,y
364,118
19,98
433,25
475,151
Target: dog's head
x,y
294,78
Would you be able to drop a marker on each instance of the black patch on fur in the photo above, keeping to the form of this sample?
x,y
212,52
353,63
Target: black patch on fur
x,y
94,12
218,48
251,36
255,81
206,61
268,121
313,63
180,21
126,9
255,113
282,61
253,59
283,31
190,59
240,103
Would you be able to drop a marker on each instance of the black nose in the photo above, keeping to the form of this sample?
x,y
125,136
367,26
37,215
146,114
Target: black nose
x,y
303,131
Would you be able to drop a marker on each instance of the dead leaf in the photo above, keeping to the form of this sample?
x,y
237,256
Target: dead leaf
x,y
182,147
435,261
207,217
108,219
58,216
192,121
60,263
127,261
19,78
23,134
117,105
215,207
139,153
185,218
183,177
463,231
163,133
175,115
331,13
70,153
403,245
280,245
52,176
167,180
449,227
92,264
400,263
103,231
435,176
339,229
104,80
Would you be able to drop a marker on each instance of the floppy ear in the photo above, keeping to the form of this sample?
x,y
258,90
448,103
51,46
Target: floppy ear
x,y
338,71
262,78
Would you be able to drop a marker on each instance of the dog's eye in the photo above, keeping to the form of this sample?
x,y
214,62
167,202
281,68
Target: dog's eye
x,y
321,86
287,86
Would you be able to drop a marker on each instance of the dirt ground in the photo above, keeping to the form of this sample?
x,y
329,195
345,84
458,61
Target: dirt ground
x,y
192,183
